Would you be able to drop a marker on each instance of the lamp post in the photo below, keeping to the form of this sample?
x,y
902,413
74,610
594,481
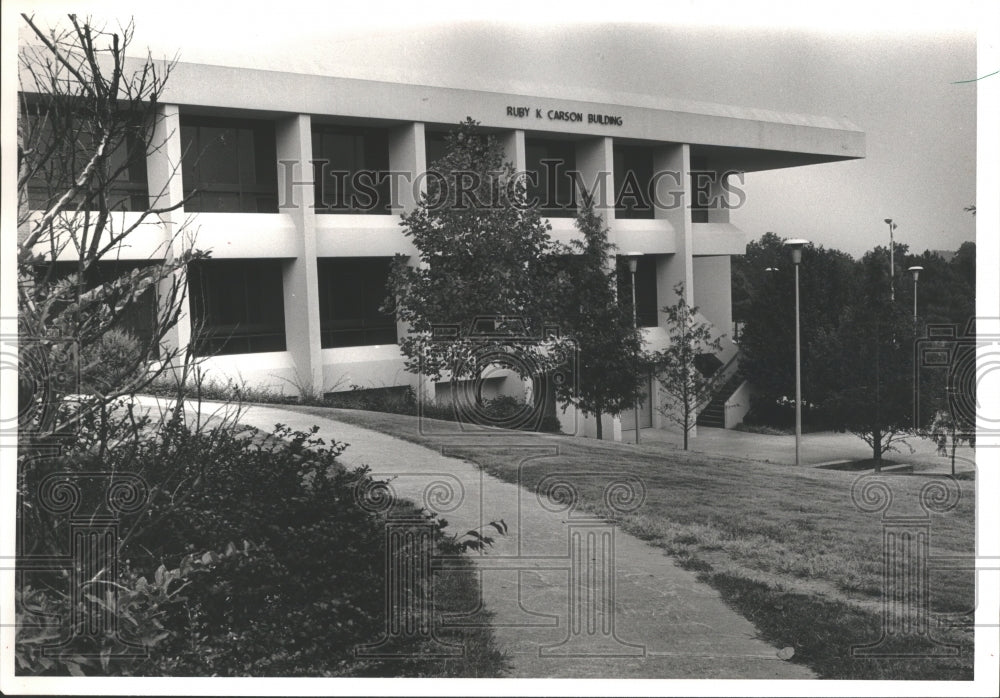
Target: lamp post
x,y
892,265
796,246
916,275
633,265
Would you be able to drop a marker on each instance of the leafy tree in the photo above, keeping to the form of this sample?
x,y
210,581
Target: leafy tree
x,y
964,266
607,343
482,252
676,370
764,302
867,364
950,428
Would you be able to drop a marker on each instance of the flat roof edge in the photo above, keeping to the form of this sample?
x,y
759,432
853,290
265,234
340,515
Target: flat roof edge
x,y
628,115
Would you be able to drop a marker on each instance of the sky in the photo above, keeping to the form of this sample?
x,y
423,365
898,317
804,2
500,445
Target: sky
x,y
890,68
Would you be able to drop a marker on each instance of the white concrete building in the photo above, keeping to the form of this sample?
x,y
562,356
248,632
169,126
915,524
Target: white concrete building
x,y
291,294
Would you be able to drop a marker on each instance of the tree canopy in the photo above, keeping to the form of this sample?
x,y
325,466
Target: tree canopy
x,y
607,343
858,346
481,252
676,366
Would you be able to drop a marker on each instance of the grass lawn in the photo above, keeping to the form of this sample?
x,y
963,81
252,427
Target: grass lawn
x,y
786,547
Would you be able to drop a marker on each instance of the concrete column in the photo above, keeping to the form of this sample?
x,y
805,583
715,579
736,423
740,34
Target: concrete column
x,y
672,164
513,149
672,170
408,155
293,136
166,189
595,163
713,294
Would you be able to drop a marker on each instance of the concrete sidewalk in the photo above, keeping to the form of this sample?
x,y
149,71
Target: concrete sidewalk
x,y
571,596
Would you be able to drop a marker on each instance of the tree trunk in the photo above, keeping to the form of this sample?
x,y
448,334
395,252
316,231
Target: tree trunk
x,y
687,425
877,449
953,445
600,428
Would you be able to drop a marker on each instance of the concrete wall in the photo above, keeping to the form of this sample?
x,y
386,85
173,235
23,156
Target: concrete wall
x,y
713,296
738,405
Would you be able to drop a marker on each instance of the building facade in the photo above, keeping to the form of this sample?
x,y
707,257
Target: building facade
x,y
275,172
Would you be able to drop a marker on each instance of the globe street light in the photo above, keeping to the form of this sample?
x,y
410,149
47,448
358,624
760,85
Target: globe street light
x,y
796,246
916,275
892,265
633,264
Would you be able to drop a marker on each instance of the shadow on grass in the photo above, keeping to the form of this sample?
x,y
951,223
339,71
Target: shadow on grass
x,y
816,629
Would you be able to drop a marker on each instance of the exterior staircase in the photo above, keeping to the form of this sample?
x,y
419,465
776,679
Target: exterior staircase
x,y
714,414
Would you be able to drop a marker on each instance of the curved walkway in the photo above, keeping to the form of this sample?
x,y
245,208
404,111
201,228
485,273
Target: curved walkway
x,y
570,597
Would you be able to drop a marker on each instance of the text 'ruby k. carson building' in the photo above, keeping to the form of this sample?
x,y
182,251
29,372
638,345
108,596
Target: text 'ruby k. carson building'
x,y
292,293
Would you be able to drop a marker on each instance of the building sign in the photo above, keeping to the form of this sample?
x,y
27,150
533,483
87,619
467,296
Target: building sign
x,y
563,115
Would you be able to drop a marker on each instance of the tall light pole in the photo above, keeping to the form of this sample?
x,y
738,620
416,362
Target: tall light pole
x,y
633,264
916,275
892,265
796,246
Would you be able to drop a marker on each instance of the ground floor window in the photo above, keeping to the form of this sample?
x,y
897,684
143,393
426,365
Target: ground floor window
x,y
138,317
237,306
352,293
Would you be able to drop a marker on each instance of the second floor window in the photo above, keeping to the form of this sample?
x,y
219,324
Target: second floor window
x,y
230,165
554,190
701,189
350,168
633,176
57,144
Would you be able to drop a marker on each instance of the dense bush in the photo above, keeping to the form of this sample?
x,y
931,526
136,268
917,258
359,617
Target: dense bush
x,y
264,562
395,400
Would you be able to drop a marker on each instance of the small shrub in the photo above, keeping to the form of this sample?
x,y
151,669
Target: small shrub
x,y
761,429
503,407
550,425
110,361
395,400
780,416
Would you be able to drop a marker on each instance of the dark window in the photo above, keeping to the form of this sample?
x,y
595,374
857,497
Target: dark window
x,y
138,317
554,190
645,289
237,306
701,193
351,170
436,147
57,146
633,174
230,165
351,294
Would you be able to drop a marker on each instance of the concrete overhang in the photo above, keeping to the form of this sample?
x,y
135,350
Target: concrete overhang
x,y
736,137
